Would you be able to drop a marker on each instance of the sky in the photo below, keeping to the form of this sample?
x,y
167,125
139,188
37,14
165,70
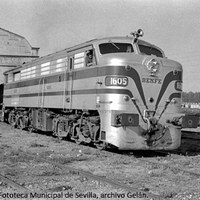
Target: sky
x,y
53,25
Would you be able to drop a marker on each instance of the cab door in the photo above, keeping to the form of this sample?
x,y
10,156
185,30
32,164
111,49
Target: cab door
x,y
80,88
41,91
84,78
68,82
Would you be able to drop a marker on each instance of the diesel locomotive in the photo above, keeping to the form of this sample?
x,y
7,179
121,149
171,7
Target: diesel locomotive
x,y
112,92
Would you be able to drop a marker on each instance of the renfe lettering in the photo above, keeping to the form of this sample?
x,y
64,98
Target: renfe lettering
x,y
151,80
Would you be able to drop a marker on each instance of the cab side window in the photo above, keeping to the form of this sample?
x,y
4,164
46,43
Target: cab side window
x,y
90,58
84,58
79,60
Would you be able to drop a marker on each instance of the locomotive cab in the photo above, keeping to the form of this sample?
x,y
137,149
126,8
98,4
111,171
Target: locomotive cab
x,y
148,88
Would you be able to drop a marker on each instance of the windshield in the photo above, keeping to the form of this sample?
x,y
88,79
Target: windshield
x,y
111,47
149,50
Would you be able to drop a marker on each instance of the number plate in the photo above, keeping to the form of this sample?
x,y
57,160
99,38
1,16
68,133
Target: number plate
x,y
116,81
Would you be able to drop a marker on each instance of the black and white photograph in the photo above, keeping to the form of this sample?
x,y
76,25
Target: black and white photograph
x,y
99,99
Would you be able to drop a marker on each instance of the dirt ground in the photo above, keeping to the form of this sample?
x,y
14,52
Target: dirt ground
x,y
43,180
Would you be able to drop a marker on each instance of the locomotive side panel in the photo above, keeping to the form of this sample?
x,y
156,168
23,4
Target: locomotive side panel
x,y
45,93
34,94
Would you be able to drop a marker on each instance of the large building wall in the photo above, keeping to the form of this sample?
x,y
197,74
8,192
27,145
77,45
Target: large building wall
x,y
14,51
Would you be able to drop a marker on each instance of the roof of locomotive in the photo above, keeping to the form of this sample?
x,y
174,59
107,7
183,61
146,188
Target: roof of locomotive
x,y
79,46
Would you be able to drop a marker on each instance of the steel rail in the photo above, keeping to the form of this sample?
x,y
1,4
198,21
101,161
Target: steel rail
x,y
13,183
111,181
87,174
172,167
167,165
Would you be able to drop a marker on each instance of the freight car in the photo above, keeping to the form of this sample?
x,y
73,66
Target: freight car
x,y
112,92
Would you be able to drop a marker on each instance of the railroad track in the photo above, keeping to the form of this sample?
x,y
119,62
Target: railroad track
x,y
115,183
166,165
82,173
13,184
103,179
191,135
174,169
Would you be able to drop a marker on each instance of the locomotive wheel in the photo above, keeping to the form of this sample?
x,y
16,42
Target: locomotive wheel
x,y
30,129
78,141
12,120
79,138
101,145
21,124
